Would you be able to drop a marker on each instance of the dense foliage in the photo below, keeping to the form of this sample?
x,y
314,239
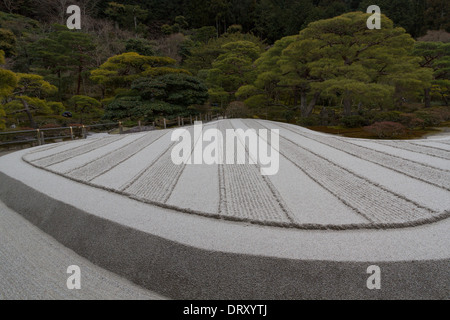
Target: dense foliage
x,y
313,62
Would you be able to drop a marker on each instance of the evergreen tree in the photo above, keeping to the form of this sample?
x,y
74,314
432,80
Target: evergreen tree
x,y
167,95
85,105
436,57
28,97
62,56
232,69
340,59
8,82
120,71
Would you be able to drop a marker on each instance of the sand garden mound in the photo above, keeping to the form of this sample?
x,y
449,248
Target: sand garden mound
x,y
324,182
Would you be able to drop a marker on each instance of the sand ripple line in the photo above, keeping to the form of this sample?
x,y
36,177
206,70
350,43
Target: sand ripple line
x,y
434,176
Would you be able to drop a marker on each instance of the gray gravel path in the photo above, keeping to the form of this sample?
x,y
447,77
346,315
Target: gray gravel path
x,y
33,266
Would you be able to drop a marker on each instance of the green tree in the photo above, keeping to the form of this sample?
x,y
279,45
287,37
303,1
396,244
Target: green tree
x,y
167,29
85,105
63,55
8,81
2,120
437,15
275,19
139,45
181,22
436,56
233,68
8,42
167,95
29,95
203,55
204,34
126,15
120,71
268,90
341,59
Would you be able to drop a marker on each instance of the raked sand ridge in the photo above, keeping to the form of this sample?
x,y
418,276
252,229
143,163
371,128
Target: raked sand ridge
x,y
335,207
324,182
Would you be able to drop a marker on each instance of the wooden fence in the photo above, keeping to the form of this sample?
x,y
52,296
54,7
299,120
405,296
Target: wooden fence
x,y
181,122
38,137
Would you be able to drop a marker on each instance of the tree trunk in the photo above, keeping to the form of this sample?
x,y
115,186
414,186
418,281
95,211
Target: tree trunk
x,y
445,99
347,107
81,115
217,27
427,98
80,70
28,112
306,110
303,102
360,106
295,97
59,85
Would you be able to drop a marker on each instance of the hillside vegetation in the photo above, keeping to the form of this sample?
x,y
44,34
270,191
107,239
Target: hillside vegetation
x,y
312,63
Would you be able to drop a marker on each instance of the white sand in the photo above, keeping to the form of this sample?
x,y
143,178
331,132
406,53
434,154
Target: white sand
x,y
323,180
427,242
408,155
33,266
427,195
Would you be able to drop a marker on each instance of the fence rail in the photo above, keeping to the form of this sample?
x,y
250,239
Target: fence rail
x,y
37,137
40,136
180,121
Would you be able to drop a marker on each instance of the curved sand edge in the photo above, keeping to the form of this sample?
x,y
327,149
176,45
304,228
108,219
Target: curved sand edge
x,y
33,266
189,257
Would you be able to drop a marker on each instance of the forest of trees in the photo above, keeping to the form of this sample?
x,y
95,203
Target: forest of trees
x,y
311,62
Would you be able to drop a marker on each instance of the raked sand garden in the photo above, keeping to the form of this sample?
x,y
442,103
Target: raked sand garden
x,y
121,202
324,182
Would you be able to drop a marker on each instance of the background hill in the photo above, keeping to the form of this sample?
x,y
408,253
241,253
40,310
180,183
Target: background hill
x,y
141,60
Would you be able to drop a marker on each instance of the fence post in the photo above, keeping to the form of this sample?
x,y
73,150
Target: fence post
x,y
71,133
191,118
165,123
140,125
196,119
42,138
83,132
38,137
182,122
120,127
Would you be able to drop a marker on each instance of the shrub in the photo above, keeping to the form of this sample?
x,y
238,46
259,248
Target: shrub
x,y
238,109
430,117
313,120
2,120
444,112
167,29
410,120
354,121
390,116
386,129
289,115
